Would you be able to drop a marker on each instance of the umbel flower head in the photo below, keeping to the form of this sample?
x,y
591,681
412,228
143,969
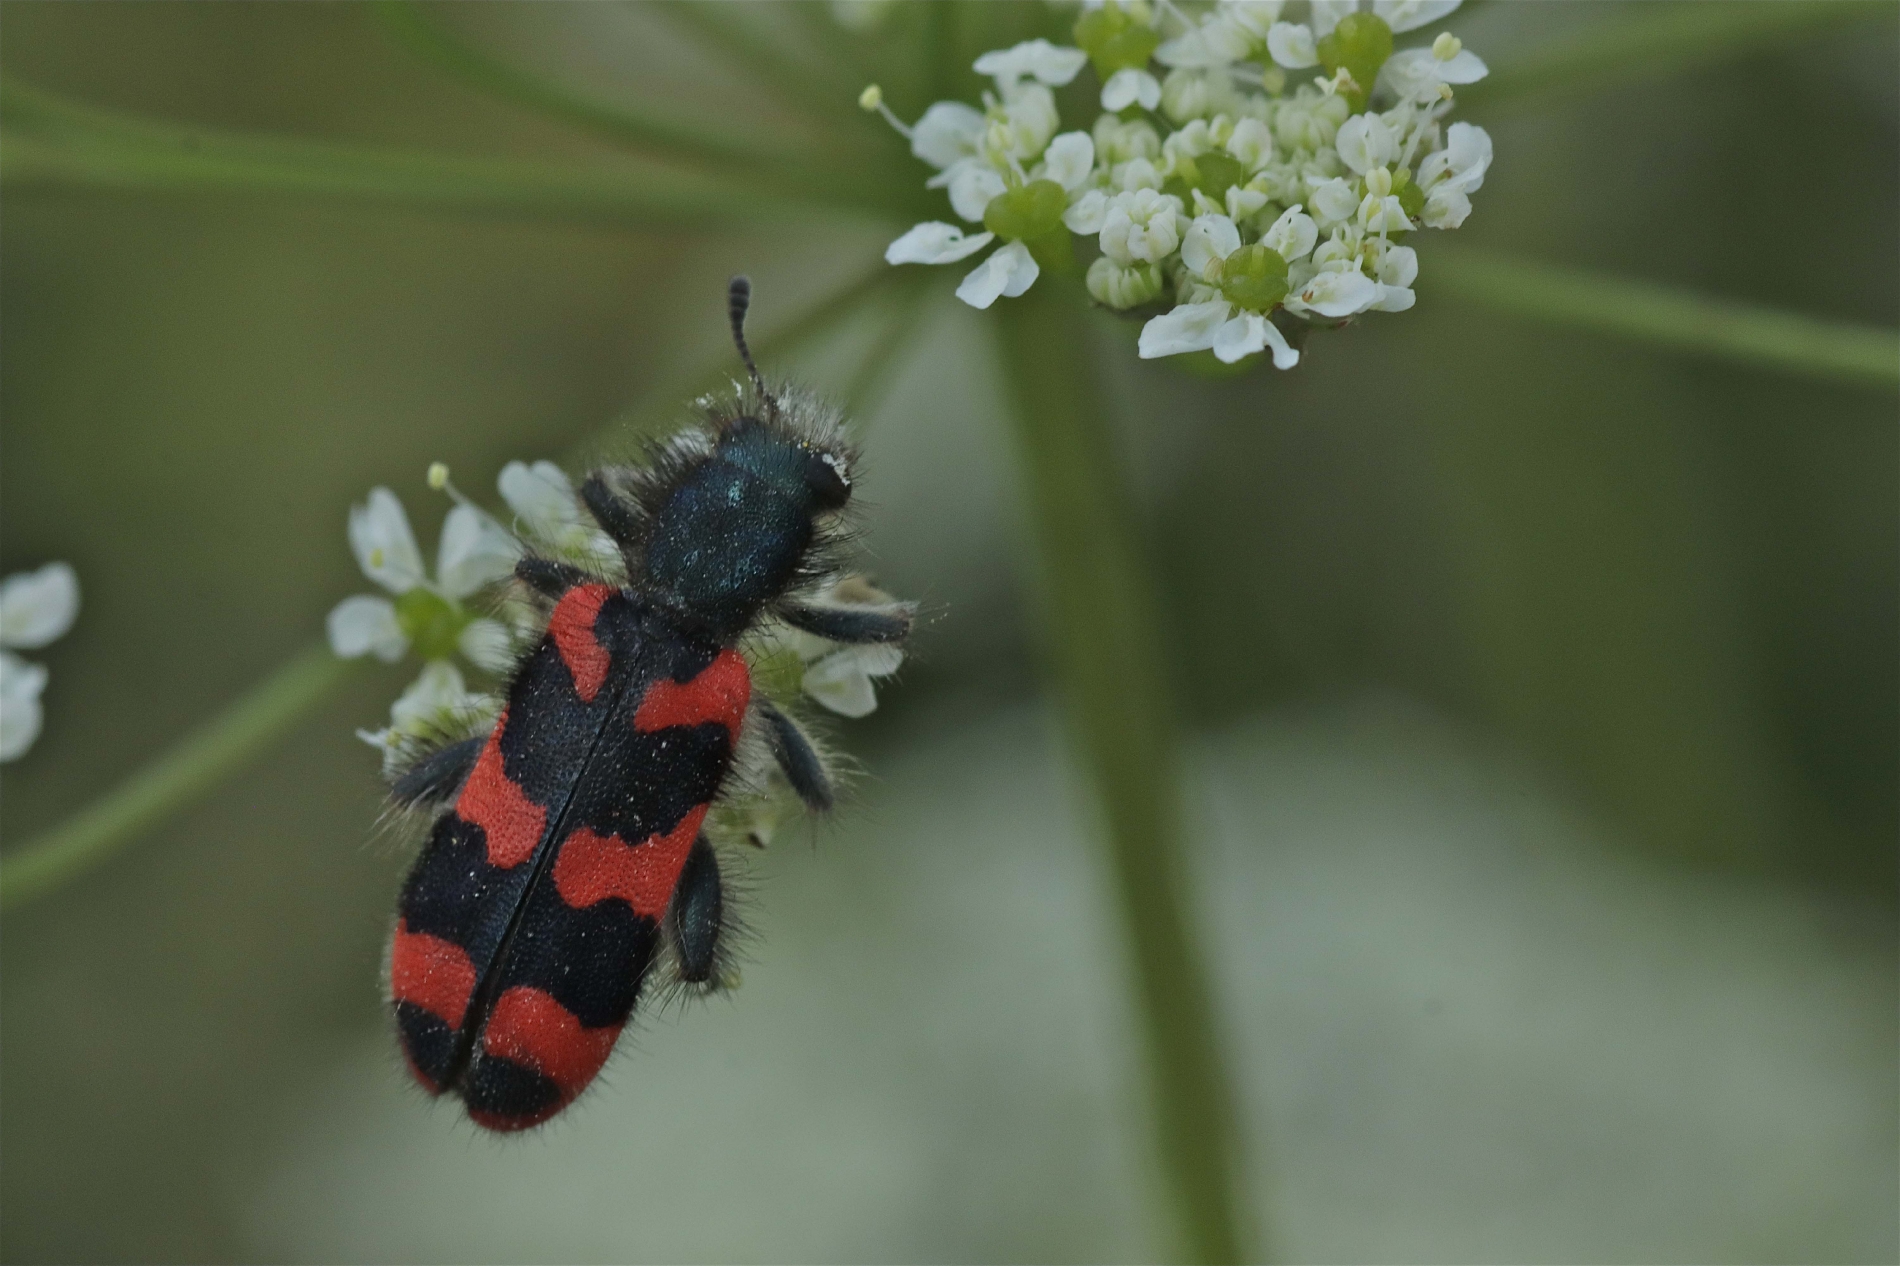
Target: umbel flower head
x,y
36,609
1254,168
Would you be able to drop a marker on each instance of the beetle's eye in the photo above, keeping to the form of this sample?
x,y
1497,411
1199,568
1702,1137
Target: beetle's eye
x,y
830,486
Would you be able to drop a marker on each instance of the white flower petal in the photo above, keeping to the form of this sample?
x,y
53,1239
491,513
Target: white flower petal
x,y
949,132
385,547
1333,200
487,644
1209,238
1189,328
841,681
1470,149
1409,15
1069,159
934,242
541,495
1032,59
474,551
1394,299
1466,68
1291,45
1284,357
1251,143
38,606
1446,207
973,184
1399,267
1364,142
1085,214
1335,294
1292,235
1009,271
1240,337
365,625
435,696
1130,86
21,714
1327,13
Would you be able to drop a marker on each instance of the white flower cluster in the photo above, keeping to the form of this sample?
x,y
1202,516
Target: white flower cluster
x,y
437,615
1231,187
36,608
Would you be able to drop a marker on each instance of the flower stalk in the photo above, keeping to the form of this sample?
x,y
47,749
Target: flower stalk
x,y
1104,643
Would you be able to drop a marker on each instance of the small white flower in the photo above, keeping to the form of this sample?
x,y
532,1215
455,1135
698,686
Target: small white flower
x,y
1196,327
1292,235
436,704
1068,160
1252,143
21,713
1130,86
474,551
36,607
1416,74
1383,215
1121,286
839,675
1445,208
1291,45
1462,163
973,184
1033,59
1335,293
1364,142
1143,227
949,132
934,242
1210,239
1409,15
1191,94
545,505
1119,140
1086,213
1007,273
842,680
1397,270
1333,200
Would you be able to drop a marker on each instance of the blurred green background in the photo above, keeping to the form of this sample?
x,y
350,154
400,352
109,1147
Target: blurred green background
x,y
1543,698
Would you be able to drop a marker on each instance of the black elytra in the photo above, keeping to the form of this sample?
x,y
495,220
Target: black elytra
x,y
568,853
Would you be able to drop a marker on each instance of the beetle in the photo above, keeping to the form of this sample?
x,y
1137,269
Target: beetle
x,y
568,861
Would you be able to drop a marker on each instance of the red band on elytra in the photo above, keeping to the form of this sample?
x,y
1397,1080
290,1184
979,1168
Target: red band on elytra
x,y
492,800
572,628
719,693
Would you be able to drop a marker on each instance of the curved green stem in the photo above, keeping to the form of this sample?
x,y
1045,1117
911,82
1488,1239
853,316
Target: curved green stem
x,y
1786,341
52,142
206,757
1665,39
645,130
1105,645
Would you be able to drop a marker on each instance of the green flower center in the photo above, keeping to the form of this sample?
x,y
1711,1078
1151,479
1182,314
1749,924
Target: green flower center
x,y
1114,40
1360,43
431,622
1254,277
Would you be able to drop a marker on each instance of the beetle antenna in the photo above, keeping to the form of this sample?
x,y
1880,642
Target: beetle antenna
x,y
738,299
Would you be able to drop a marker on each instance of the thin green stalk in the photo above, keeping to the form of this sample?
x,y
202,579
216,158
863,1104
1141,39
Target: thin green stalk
x,y
1786,341
204,758
1105,645
1667,38
763,56
227,742
867,388
45,141
626,125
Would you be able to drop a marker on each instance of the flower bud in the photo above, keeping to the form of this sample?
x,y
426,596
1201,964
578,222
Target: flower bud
x,y
1254,278
1023,214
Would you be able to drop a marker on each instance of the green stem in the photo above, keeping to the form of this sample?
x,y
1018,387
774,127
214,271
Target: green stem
x,y
644,130
1667,38
1105,644
206,757
1764,337
763,57
866,389
51,142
